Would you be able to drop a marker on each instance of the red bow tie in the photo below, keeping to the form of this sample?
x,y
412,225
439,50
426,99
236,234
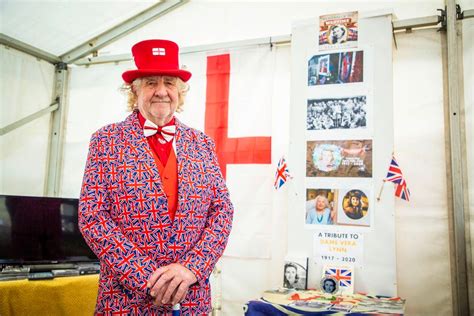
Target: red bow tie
x,y
167,132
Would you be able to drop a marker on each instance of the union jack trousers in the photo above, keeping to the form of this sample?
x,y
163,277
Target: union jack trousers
x,y
123,216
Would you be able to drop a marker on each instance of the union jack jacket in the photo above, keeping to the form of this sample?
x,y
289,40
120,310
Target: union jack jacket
x,y
123,216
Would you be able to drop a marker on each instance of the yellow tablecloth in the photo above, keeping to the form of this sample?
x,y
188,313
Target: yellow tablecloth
x,y
60,296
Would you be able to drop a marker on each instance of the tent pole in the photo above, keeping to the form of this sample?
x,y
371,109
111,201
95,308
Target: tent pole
x,y
10,127
57,129
456,163
274,40
28,49
408,24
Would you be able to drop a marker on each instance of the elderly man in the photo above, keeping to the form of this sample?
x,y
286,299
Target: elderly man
x,y
154,206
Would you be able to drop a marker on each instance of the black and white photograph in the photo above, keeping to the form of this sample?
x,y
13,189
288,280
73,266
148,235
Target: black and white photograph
x,y
337,113
295,273
329,285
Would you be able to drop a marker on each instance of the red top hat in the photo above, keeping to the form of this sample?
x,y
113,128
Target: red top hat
x,y
155,57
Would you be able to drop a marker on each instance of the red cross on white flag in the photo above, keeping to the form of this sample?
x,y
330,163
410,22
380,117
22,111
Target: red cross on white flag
x,y
232,105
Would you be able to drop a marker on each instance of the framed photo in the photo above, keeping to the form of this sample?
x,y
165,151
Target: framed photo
x,y
295,273
329,285
321,206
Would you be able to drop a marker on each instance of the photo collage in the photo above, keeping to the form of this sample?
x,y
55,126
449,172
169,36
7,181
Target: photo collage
x,y
339,144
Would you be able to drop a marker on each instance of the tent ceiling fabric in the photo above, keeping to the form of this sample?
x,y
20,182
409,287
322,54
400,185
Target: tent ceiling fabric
x,y
60,25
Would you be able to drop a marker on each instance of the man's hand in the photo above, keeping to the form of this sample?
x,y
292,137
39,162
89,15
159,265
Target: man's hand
x,y
169,284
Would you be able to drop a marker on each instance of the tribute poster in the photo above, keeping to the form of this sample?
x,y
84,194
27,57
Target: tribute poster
x,y
338,30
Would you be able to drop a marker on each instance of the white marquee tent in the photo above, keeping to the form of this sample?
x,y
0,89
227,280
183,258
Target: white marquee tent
x,y
89,42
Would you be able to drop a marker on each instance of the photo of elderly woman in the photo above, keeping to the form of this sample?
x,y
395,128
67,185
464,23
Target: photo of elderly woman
x,y
320,206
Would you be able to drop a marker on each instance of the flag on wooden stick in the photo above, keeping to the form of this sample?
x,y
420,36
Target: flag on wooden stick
x,y
395,175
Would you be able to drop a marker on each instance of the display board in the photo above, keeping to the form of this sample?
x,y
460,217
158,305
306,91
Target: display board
x,y
341,128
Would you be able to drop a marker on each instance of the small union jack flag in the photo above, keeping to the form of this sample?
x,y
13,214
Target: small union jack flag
x,y
344,276
402,191
282,174
395,175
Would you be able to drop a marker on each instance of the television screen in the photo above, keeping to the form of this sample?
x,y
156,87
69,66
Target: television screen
x,y
40,230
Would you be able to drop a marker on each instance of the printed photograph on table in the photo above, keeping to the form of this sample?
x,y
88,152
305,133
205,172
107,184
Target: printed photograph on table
x,y
344,276
339,158
321,206
295,273
354,207
338,30
337,113
336,68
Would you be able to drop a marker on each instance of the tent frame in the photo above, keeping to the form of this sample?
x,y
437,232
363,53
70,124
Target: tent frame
x,y
456,162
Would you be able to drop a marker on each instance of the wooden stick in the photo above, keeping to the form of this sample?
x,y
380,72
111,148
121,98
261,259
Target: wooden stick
x,y
381,189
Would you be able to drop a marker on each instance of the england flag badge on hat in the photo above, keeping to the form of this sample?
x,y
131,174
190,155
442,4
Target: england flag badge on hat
x,y
158,51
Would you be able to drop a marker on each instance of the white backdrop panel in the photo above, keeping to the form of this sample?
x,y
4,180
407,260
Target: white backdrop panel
x,y
422,225
378,275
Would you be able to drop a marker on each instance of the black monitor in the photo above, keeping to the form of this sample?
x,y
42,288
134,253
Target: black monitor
x,y
35,230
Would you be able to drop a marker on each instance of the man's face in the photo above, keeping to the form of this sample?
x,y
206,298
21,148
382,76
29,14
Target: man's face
x,y
157,98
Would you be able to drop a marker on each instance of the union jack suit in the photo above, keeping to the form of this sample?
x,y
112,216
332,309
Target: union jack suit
x,y
123,215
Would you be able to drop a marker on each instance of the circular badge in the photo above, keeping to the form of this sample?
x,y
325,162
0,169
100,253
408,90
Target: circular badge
x,y
329,285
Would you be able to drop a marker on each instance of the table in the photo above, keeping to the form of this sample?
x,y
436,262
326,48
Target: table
x,y
59,296
313,302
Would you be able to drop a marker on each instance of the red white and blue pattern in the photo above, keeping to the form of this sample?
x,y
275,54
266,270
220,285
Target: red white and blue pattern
x,y
282,174
123,215
395,175
402,191
344,276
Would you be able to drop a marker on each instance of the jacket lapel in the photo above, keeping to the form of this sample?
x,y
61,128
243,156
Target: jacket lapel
x,y
183,143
